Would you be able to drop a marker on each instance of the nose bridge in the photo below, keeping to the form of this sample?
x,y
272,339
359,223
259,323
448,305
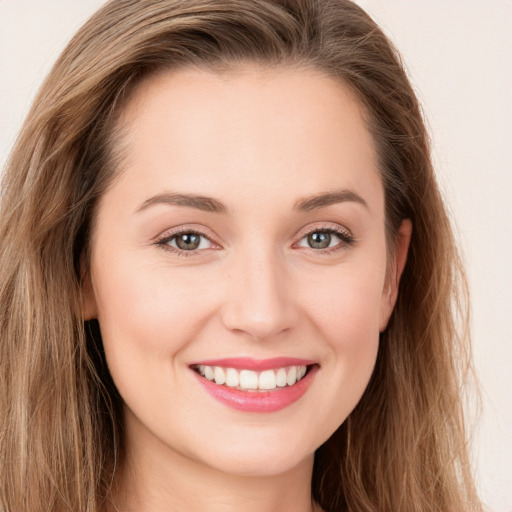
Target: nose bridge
x,y
259,299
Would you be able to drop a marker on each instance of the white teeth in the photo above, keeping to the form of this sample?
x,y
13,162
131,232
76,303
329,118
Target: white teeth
x,y
208,372
251,380
219,375
267,380
281,377
232,378
291,376
248,379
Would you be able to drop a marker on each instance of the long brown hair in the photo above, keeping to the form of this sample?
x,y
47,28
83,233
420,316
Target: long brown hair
x,y
404,446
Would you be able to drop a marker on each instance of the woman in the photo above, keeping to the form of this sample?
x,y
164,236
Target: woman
x,y
228,278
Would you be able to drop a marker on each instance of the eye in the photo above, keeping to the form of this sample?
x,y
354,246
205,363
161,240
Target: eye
x,y
185,241
326,238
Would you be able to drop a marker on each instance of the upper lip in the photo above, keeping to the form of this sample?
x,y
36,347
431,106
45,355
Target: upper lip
x,y
248,363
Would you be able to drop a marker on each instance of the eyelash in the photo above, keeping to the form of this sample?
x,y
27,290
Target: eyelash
x,y
346,240
163,242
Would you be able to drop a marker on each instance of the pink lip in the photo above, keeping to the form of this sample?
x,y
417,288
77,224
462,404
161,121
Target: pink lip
x,y
257,401
257,365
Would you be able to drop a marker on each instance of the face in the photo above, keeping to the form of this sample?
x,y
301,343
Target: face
x,y
239,266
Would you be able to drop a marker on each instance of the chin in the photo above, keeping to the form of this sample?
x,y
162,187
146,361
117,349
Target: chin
x,y
258,457
256,465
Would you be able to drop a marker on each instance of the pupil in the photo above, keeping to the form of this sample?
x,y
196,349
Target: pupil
x,y
188,241
319,240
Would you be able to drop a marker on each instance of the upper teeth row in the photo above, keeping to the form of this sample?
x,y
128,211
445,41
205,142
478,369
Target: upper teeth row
x,y
248,379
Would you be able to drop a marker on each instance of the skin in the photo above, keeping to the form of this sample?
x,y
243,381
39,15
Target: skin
x,y
259,141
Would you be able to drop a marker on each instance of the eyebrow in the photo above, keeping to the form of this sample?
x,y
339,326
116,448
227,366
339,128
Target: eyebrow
x,y
209,204
325,199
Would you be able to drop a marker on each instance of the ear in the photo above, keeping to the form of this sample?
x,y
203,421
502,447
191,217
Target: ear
x,y
89,307
394,273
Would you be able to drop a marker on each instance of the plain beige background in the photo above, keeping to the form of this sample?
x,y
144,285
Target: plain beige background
x,y
459,57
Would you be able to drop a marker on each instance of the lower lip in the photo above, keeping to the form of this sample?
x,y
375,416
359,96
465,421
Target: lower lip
x,y
258,401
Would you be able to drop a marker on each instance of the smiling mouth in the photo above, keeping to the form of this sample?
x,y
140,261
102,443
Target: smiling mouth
x,y
250,380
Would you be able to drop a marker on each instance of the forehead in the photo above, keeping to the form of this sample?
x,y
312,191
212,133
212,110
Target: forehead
x,y
252,128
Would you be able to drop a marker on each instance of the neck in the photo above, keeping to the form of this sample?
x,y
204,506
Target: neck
x,y
158,478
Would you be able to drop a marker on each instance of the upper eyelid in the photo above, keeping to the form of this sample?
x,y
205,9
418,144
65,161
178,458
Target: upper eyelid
x,y
173,232
334,228
325,228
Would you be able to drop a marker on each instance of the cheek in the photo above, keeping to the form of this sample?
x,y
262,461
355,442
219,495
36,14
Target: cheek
x,y
351,328
345,309
147,315
346,302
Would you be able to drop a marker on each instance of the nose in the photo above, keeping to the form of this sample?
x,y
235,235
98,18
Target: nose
x,y
259,297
